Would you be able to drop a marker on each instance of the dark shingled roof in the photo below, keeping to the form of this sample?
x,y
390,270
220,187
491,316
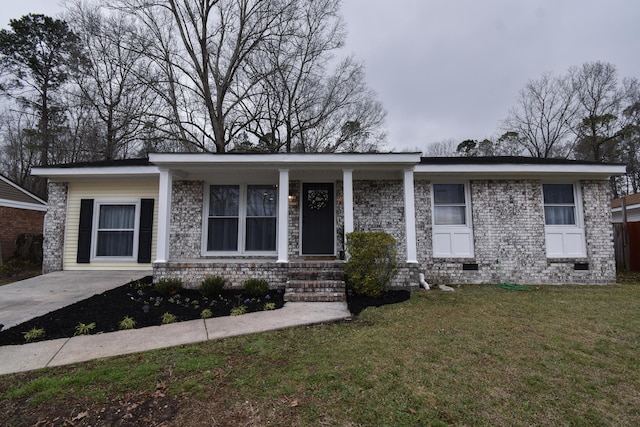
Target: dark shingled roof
x,y
501,160
104,163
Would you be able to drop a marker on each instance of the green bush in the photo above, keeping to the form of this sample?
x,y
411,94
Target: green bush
x,y
372,263
168,286
212,286
256,288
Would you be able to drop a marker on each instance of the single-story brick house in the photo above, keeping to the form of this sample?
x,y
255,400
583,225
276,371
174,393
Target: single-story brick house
x,y
463,219
21,212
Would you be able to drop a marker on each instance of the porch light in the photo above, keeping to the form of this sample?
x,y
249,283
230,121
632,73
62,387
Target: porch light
x,y
293,200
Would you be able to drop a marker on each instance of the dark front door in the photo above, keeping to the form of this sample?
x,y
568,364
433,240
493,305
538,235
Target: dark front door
x,y
318,233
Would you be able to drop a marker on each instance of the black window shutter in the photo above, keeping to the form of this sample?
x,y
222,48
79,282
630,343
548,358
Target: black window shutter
x,y
146,230
84,231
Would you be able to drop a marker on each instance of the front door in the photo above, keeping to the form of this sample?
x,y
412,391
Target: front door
x,y
318,232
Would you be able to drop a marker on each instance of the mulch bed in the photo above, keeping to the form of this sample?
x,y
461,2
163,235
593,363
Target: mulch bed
x,y
141,302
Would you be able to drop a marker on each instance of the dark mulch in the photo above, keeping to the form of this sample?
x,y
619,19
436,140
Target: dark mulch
x,y
141,302
357,303
106,310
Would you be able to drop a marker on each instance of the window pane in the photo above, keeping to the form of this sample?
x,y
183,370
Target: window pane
x,y
115,243
559,215
449,215
448,194
222,234
117,217
558,194
261,200
261,234
223,200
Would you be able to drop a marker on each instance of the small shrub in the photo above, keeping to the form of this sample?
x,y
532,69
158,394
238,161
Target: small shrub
x,y
127,323
238,310
206,314
269,306
372,262
34,334
168,286
212,286
256,288
168,318
84,329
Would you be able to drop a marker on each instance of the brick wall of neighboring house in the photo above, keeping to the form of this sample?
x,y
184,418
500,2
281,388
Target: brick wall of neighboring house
x,y
14,221
509,238
54,227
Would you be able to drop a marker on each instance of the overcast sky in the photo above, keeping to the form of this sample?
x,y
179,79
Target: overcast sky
x,y
451,69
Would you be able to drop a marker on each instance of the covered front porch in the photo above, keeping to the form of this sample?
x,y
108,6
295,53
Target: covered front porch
x,y
314,200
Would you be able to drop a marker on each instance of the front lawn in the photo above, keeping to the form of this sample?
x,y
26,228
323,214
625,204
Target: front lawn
x,y
480,356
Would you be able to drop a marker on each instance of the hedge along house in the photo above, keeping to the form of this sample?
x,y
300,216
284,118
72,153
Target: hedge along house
x,y
283,217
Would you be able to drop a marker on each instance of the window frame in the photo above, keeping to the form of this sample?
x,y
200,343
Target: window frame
x,y
95,229
452,230
242,220
565,231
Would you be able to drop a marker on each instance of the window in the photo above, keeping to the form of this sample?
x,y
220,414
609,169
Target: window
x,y
223,218
452,232
564,233
559,204
449,206
116,229
246,213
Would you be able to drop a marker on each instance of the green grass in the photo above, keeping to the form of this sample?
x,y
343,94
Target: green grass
x,y
481,356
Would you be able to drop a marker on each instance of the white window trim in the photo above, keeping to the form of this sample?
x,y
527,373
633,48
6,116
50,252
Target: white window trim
x,y
94,230
566,230
465,230
242,221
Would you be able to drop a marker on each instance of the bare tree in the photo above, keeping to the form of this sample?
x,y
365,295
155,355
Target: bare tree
x,y
113,81
300,103
444,148
600,102
543,117
202,48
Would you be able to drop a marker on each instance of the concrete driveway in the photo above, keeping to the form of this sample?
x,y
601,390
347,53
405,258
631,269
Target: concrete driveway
x,y
26,299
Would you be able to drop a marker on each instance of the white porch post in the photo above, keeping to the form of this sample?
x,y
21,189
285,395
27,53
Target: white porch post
x,y
283,216
410,216
164,215
347,183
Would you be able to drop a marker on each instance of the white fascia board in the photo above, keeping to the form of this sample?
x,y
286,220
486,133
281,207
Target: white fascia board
x,y
22,205
99,172
629,208
521,170
285,160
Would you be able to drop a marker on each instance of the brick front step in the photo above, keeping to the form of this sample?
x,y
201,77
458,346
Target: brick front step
x,y
315,297
315,282
304,285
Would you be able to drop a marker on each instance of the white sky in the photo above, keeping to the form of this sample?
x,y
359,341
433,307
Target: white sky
x,y
451,69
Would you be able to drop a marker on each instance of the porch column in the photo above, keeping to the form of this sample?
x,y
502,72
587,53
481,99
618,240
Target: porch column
x,y
283,216
164,215
410,216
347,182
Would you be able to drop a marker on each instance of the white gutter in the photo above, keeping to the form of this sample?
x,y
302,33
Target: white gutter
x,y
101,171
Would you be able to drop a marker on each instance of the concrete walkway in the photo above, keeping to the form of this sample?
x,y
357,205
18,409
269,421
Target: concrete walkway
x,y
26,299
52,291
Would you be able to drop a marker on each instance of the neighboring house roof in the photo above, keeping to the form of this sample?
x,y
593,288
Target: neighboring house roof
x,y
14,196
631,199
